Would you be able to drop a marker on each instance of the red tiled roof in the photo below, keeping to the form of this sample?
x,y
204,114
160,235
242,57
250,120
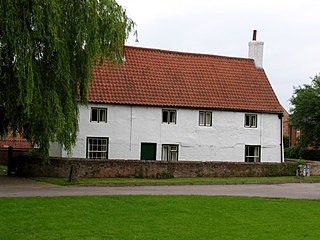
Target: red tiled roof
x,y
15,143
175,79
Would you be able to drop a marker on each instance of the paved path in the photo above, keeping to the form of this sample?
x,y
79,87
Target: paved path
x,y
20,187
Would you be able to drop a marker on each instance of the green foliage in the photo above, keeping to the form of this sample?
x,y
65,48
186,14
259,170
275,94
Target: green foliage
x,y
288,169
301,161
285,141
310,154
299,152
159,217
3,169
306,112
292,152
47,50
272,170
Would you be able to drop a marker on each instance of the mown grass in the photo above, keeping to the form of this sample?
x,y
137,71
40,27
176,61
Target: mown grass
x,y
158,217
3,169
65,181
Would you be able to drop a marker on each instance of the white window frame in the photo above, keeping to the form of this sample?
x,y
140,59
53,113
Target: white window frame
x,y
101,115
171,116
97,147
205,118
252,153
170,152
251,120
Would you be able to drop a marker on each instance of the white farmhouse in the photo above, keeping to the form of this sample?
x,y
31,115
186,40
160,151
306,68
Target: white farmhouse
x,y
166,105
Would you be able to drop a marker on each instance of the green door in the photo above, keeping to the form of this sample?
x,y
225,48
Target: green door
x,y
148,151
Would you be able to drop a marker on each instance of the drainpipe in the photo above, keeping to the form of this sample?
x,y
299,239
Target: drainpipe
x,y
280,116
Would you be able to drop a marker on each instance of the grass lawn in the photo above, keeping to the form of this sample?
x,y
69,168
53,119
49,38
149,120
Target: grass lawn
x,y
3,169
158,217
64,181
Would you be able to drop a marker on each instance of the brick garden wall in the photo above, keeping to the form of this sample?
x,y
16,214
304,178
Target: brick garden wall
x,y
60,167
15,153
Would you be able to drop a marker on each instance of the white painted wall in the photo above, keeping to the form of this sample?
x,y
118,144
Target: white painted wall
x,y
128,126
55,149
256,52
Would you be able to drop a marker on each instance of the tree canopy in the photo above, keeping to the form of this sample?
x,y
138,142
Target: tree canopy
x,y
306,112
47,51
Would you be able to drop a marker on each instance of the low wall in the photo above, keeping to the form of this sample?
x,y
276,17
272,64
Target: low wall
x,y
314,166
314,169
60,167
4,155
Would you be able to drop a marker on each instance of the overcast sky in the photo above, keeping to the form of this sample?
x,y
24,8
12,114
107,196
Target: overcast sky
x,y
290,30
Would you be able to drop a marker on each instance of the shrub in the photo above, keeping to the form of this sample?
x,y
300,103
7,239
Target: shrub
x,y
292,152
310,154
286,141
298,152
288,169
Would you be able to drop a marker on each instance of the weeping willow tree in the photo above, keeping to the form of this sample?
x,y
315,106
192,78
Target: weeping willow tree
x,y
47,51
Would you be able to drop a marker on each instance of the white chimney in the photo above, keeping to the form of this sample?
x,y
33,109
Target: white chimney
x,y
256,50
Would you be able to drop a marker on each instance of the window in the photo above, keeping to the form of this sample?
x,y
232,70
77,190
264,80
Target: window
x,y
170,152
97,148
298,134
251,120
252,153
98,115
169,116
205,118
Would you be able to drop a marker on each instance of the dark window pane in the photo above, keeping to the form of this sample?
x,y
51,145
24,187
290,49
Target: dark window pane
x,y
94,114
164,116
247,121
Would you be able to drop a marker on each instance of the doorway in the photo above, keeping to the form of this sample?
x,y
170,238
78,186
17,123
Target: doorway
x,y
148,151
